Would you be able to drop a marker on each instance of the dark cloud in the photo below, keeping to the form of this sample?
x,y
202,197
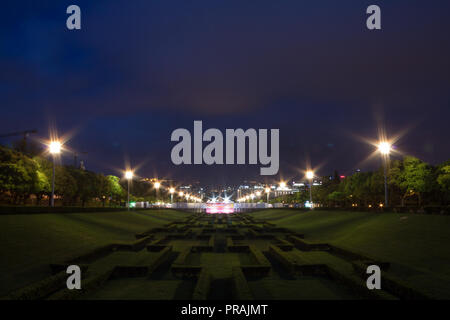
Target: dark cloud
x,y
138,70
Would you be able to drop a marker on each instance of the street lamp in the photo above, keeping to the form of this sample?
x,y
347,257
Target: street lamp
x,y
385,148
128,176
310,177
157,185
54,148
267,190
171,190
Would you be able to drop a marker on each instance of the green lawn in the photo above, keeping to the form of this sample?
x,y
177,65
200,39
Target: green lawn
x,y
29,243
418,246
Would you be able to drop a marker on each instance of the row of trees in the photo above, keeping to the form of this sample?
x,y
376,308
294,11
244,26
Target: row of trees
x,y
26,179
410,182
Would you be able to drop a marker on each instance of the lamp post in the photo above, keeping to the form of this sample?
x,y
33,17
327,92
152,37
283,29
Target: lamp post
x,y
310,177
385,149
54,148
128,176
282,189
171,191
157,185
267,190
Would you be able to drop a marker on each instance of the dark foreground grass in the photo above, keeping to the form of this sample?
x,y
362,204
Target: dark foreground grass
x,y
29,243
418,246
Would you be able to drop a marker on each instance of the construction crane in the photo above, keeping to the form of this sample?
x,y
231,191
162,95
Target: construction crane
x,y
25,134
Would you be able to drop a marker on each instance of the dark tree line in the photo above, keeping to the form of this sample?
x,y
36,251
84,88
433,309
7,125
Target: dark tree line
x,y
26,179
410,182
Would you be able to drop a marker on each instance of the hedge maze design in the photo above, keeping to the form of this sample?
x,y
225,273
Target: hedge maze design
x,y
219,257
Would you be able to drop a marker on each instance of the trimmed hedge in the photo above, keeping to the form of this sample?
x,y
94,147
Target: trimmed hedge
x,y
241,290
445,210
395,287
40,289
203,286
5,210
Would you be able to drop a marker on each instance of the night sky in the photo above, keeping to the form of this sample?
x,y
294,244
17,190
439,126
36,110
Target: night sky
x,y
137,70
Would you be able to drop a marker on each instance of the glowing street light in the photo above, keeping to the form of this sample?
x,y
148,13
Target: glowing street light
x,y
128,176
55,149
181,193
157,185
310,177
282,184
385,148
171,191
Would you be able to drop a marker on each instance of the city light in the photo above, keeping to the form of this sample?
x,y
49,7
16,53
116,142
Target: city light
x,y
172,190
55,147
157,185
282,184
267,190
258,193
384,148
309,174
128,174
181,193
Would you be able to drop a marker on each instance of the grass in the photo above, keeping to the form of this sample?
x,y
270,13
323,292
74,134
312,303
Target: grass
x,y
418,246
29,243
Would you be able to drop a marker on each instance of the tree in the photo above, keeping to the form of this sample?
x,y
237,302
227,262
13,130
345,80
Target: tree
x,y
443,180
413,177
19,175
65,185
116,191
41,186
337,197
